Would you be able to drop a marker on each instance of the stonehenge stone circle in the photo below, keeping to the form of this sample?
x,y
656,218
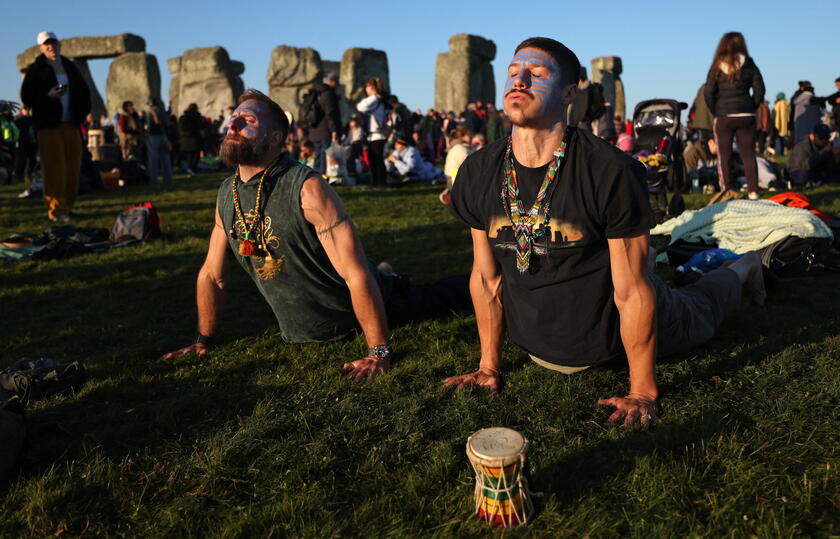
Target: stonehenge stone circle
x,y
464,73
207,77
133,76
606,70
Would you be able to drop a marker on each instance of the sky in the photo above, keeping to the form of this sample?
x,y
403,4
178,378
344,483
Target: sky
x,y
666,48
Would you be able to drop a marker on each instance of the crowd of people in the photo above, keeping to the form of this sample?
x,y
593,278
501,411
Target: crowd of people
x,y
383,143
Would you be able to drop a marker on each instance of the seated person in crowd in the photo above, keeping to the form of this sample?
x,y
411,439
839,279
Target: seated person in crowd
x,y
405,163
570,282
459,149
700,160
306,153
290,232
813,160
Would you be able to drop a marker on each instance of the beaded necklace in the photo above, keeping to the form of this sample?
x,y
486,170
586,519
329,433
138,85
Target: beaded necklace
x,y
524,222
247,248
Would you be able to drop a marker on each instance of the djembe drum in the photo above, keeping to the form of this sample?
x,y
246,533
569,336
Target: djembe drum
x,y
501,491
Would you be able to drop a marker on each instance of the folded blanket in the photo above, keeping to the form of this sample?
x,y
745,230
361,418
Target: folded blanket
x,y
743,225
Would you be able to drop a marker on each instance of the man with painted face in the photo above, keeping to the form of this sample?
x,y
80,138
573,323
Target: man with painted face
x,y
559,222
289,231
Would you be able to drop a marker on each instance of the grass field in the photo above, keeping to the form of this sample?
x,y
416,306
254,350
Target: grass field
x,y
263,438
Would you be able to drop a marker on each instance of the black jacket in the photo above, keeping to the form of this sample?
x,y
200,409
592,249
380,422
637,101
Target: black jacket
x,y
331,121
806,156
725,97
46,111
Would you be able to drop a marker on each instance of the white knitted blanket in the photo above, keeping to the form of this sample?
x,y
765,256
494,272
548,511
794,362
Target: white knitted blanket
x,y
743,225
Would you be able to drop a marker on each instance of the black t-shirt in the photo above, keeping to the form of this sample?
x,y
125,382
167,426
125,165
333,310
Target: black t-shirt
x,y
561,310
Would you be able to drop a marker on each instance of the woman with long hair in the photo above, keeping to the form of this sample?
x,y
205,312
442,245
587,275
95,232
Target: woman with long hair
x,y
374,107
727,92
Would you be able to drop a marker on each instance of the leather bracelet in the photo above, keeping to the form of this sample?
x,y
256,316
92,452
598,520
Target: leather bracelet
x,y
203,339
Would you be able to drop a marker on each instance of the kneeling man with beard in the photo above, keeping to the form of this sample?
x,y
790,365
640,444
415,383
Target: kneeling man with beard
x,y
288,229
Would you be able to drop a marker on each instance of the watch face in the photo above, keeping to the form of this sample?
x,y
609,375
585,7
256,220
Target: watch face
x,y
383,351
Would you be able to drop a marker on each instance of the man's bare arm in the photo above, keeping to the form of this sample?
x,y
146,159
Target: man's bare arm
x,y
486,292
210,289
636,304
324,210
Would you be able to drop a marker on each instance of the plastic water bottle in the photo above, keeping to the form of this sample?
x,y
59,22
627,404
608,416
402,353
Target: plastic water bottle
x,y
695,184
706,261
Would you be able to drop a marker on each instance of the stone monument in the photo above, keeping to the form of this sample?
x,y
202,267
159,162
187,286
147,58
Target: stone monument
x,y
606,70
291,72
464,74
207,77
135,77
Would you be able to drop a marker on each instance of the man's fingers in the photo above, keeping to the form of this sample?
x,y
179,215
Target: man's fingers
x,y
347,367
612,401
618,415
631,417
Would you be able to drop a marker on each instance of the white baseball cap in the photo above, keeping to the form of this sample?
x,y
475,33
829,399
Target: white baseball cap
x,y
45,36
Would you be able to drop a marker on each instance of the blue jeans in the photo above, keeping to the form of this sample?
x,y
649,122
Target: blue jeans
x,y
157,153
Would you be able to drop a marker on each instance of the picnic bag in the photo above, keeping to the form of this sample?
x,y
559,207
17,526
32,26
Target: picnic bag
x,y
138,222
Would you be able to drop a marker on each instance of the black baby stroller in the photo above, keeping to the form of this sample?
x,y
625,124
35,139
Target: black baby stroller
x,y
656,126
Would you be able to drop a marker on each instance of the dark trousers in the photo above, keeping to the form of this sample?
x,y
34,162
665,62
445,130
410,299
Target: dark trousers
x,y
406,302
740,128
376,154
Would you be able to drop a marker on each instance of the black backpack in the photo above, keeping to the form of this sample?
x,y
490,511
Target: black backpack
x,y
595,104
311,112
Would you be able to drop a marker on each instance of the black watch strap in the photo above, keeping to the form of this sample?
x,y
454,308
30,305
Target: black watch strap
x,y
203,339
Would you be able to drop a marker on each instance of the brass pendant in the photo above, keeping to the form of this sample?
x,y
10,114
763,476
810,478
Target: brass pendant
x,y
270,268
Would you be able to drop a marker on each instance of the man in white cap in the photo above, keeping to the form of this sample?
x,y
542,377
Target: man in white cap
x,y
60,99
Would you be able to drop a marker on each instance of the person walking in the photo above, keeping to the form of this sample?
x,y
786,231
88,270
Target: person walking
x,y
374,108
781,122
60,100
190,125
157,145
727,92
806,111
326,128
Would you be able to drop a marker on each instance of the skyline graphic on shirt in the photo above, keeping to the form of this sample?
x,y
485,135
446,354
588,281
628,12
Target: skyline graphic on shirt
x,y
558,232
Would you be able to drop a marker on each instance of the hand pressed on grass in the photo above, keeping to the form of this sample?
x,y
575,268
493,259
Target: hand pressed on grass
x,y
367,367
198,349
489,378
632,409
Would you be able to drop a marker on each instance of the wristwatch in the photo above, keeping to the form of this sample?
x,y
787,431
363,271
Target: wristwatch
x,y
203,339
380,351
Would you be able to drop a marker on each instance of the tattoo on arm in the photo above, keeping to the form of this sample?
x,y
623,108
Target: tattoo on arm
x,y
327,231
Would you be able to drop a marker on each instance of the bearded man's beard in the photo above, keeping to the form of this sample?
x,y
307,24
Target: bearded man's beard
x,y
248,152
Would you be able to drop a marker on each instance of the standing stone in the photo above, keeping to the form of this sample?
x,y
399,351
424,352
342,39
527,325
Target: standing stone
x,y
207,77
606,70
464,74
291,72
358,66
97,106
133,76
